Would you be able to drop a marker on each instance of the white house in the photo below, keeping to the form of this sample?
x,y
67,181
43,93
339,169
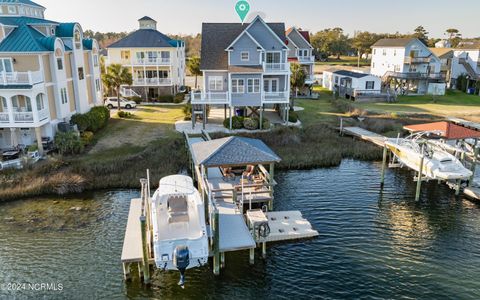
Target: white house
x,y
351,84
406,65
466,62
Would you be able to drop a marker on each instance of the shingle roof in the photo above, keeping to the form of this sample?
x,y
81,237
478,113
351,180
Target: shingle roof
x,y
351,74
233,151
245,69
216,37
27,2
401,42
448,130
469,45
442,52
144,38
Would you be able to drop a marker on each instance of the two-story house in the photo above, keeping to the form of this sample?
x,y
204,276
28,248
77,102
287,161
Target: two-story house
x,y
245,66
48,72
467,62
408,66
157,62
301,51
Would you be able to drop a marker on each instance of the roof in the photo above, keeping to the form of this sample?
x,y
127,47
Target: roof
x,y
24,39
351,74
16,21
233,151
442,52
401,42
26,2
216,37
87,44
245,69
469,45
145,38
146,18
66,30
305,34
448,130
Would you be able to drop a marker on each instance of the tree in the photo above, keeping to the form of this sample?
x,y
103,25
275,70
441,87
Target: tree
x,y
454,36
297,79
194,68
363,41
331,41
422,34
116,76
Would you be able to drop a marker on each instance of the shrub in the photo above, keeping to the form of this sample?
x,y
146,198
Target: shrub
x,y
87,137
68,143
187,111
179,98
237,122
292,117
125,115
94,120
251,124
165,99
32,148
266,123
81,120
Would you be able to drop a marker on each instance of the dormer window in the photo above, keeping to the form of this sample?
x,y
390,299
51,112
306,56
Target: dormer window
x,y
78,39
21,10
52,31
245,56
12,9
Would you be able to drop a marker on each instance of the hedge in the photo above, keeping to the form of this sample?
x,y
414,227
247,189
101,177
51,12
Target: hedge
x,y
94,120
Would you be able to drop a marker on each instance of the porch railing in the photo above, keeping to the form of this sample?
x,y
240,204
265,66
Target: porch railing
x,y
417,60
23,117
152,61
210,98
153,81
306,59
276,97
4,117
18,78
276,67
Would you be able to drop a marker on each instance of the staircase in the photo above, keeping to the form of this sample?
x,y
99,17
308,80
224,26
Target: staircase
x,y
471,72
126,92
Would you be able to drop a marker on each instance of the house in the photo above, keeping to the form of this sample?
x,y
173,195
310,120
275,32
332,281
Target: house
x,y
48,72
446,56
301,51
466,62
407,66
351,84
157,62
245,66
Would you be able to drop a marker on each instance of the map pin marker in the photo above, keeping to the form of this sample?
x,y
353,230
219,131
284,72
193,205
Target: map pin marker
x,y
242,8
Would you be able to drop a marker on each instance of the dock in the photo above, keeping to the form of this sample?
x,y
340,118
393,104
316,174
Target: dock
x,y
365,135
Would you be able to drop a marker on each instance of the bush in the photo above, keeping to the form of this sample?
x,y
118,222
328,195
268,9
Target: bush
x,y
87,137
187,111
32,148
251,124
266,123
94,120
179,98
125,115
165,99
81,120
237,122
68,143
292,117
136,99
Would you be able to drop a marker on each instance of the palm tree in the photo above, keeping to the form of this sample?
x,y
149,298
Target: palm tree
x,y
297,79
116,76
194,67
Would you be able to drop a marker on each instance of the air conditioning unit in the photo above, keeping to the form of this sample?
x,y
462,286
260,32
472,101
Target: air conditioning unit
x,y
65,127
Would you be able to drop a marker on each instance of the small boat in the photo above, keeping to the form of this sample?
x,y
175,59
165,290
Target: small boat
x,y
437,164
179,230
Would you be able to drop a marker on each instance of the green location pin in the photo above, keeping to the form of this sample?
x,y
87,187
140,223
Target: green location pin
x,y
242,8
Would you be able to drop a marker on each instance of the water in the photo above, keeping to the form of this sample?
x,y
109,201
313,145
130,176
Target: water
x,y
372,244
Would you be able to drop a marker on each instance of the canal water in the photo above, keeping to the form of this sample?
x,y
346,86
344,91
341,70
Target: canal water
x,y
372,244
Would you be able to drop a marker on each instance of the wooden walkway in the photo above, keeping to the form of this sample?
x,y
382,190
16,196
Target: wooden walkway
x,y
366,135
465,123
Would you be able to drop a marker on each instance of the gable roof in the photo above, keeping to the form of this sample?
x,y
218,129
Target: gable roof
x,y
350,74
442,52
448,130
146,18
26,2
233,151
248,35
144,38
301,37
400,42
24,38
216,37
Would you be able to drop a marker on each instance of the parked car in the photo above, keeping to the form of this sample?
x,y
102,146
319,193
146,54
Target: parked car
x,y
112,102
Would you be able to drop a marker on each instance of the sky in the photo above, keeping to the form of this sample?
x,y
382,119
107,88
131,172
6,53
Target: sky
x,y
186,16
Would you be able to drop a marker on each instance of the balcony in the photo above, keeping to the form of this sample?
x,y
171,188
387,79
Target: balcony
x,y
417,60
152,61
24,118
152,81
413,76
276,67
20,78
306,59
276,97
210,98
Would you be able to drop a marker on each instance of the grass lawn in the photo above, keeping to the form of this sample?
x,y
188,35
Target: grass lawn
x,y
343,61
317,111
150,123
454,103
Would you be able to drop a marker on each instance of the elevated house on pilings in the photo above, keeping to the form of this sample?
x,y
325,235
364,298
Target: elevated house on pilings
x,y
245,69
407,66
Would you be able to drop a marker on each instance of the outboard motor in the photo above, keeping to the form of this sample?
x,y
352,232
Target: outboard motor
x,y
181,260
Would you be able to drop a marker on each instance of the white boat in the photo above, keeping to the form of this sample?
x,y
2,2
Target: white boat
x,y
179,230
437,164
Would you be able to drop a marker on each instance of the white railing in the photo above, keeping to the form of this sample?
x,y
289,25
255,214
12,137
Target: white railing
x,y
4,117
210,98
43,114
16,78
276,67
306,59
23,117
276,97
417,60
128,92
152,61
153,81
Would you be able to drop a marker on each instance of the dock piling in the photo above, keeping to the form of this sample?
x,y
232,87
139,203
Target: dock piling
x,y
384,166
420,174
222,260
252,256
264,249
146,263
216,243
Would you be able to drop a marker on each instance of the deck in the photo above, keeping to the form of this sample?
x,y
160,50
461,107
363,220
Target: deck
x,y
366,135
132,245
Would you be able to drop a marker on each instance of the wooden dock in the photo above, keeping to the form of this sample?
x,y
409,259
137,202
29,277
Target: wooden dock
x,y
365,135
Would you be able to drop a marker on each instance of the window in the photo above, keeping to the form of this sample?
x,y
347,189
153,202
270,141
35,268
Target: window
x,y
52,31
395,52
373,65
238,86
374,51
370,85
12,9
384,52
245,56
253,85
78,39
215,83
336,79
97,85
165,56
125,55
81,74
6,65
273,57
21,10
63,94
95,60
40,103
59,63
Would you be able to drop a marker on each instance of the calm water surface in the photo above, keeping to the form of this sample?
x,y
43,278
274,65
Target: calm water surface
x,y
372,244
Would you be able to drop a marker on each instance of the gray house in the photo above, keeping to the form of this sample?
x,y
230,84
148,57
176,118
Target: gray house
x,y
245,66
301,51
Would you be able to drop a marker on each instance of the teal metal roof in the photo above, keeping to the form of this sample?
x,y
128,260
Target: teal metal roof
x,y
65,29
23,39
15,21
87,44
48,42
27,2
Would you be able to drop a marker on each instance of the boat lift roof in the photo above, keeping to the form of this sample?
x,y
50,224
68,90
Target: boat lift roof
x,y
233,151
448,130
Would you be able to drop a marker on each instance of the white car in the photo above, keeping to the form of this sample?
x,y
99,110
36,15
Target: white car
x,y
112,102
